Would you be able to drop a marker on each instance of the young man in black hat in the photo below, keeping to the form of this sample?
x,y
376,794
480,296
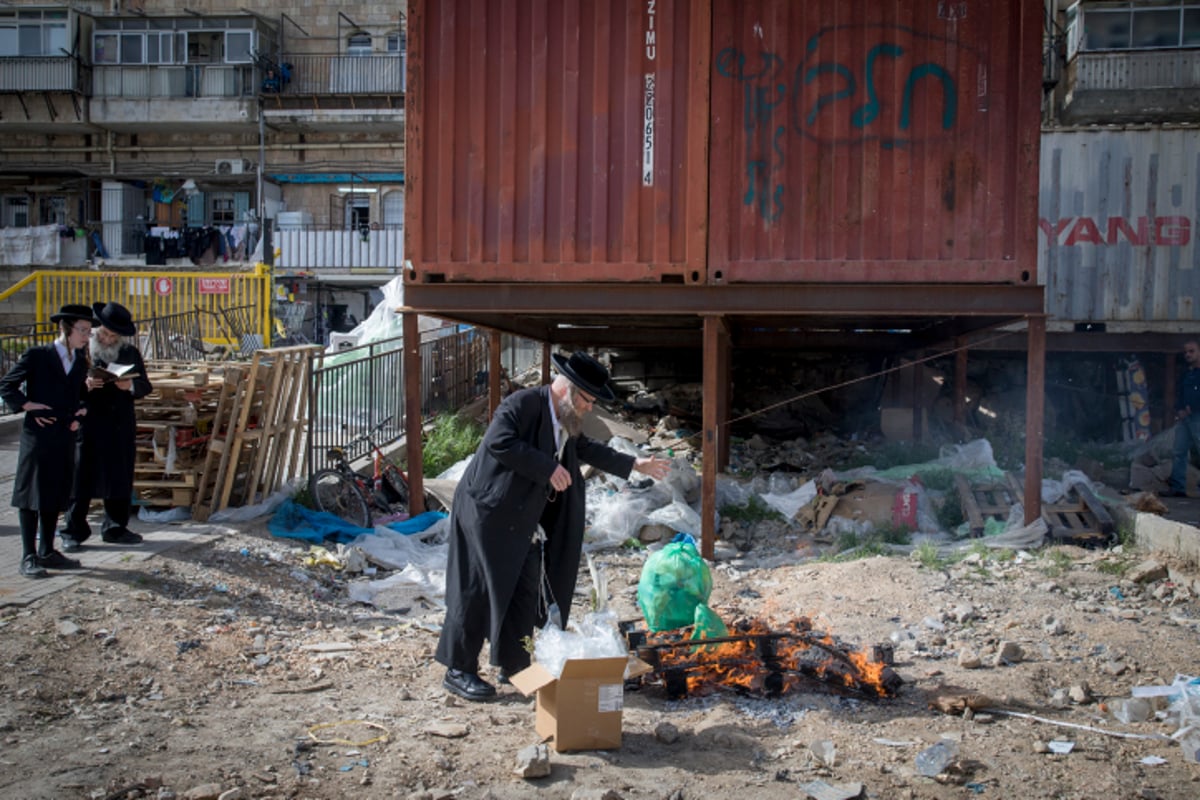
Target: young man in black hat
x,y
524,476
106,442
46,383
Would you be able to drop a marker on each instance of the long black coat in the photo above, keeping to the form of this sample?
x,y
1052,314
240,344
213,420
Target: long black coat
x,y
106,439
498,505
46,456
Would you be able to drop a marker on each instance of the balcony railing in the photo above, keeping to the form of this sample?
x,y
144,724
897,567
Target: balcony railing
x,y
1136,70
316,249
40,74
175,80
335,75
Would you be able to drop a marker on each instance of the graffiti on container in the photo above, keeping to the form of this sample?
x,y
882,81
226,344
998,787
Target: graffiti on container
x,y
1153,231
854,85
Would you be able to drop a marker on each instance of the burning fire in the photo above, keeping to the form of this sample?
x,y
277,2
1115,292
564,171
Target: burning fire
x,y
755,658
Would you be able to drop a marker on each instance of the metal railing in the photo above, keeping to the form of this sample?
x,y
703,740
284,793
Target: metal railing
x,y
174,80
309,247
333,75
1140,69
356,389
42,74
16,339
151,295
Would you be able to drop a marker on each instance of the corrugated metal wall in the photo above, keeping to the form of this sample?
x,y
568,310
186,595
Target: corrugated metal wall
x,y
866,141
558,140
723,140
1118,216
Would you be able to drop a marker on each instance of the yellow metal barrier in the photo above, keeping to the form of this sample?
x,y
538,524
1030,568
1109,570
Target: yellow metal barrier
x,y
148,295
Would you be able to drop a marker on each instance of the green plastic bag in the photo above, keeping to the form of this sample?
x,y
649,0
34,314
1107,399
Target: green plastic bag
x,y
674,581
708,624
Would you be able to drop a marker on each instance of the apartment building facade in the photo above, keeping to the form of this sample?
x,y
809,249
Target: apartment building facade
x,y
206,135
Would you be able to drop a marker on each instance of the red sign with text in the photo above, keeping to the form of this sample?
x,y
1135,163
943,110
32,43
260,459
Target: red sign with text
x,y
214,285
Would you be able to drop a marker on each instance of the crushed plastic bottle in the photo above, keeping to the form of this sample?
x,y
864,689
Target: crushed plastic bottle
x,y
933,760
1130,709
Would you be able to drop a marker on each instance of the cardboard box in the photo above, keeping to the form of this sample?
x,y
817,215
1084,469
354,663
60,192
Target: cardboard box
x,y
581,709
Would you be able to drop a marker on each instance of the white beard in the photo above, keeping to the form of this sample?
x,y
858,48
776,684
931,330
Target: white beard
x,y
570,421
106,355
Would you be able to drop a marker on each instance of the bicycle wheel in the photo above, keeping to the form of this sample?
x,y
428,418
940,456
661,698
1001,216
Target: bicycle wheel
x,y
338,494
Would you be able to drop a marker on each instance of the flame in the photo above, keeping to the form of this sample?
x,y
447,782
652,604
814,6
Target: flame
x,y
755,658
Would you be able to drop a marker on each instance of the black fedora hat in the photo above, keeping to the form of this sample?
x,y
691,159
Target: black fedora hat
x,y
585,372
72,312
115,317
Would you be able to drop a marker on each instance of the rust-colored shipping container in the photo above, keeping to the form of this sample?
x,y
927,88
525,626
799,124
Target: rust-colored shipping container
x,y
717,141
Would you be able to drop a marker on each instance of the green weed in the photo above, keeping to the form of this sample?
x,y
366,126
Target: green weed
x,y
1057,563
450,440
756,510
927,555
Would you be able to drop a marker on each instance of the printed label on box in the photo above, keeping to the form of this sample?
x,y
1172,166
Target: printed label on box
x,y
611,697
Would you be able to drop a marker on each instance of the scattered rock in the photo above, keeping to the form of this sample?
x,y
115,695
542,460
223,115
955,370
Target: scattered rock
x,y
448,730
1081,693
820,790
666,733
969,659
533,761
1008,653
595,794
205,791
68,628
1147,572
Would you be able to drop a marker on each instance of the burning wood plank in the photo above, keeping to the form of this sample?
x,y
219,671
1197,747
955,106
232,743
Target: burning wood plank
x,y
760,660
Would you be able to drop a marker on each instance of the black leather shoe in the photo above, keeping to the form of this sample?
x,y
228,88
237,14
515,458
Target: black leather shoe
x,y
70,544
122,537
502,679
468,686
1172,493
31,569
56,560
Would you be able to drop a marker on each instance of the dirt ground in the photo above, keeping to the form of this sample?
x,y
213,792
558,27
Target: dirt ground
x,y
217,667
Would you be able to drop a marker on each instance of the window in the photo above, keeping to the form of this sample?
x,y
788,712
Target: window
x,y
397,43
133,48
358,211
238,45
393,208
16,212
358,44
34,33
1144,25
221,208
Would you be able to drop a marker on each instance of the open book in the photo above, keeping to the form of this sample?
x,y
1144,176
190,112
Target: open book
x,y
113,372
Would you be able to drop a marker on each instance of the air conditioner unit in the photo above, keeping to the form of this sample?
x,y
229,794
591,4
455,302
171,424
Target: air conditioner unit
x,y
231,166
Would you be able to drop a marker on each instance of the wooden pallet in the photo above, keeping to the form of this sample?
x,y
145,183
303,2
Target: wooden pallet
x,y
1083,521
216,455
1080,518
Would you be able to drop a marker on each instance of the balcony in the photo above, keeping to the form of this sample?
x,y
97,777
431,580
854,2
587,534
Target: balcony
x,y
1133,86
372,255
173,97
335,93
60,82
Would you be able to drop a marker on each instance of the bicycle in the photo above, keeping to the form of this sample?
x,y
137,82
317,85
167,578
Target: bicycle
x,y
347,494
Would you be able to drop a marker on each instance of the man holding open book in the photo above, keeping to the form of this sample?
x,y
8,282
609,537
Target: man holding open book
x,y
116,378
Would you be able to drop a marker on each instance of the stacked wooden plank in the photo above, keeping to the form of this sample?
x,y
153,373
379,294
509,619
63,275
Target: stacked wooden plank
x,y
212,436
172,432
257,442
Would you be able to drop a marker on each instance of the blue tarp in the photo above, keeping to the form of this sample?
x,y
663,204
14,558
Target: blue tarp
x,y
294,521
